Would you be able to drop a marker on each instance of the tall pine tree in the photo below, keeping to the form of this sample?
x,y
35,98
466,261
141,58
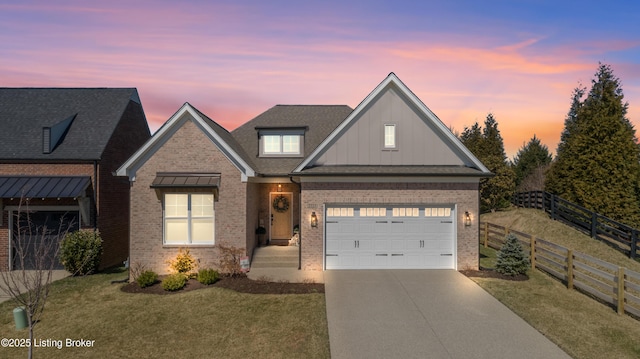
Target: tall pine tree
x,y
598,160
487,145
531,156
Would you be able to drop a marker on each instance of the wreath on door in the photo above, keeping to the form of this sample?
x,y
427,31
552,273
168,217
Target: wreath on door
x,y
281,203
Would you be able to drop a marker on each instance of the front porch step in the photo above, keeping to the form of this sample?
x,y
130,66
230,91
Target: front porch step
x,y
275,257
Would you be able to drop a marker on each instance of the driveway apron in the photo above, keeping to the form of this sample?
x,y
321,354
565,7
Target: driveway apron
x,y
424,314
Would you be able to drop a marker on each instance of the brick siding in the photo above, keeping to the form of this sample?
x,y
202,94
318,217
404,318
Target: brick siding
x,y
110,208
188,150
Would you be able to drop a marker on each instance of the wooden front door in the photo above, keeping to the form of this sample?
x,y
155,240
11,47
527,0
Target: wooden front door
x,y
280,207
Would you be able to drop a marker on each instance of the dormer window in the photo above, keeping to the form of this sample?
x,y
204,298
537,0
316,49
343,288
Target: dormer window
x,y
281,143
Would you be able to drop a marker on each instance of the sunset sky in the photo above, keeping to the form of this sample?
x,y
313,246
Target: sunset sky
x,y
519,60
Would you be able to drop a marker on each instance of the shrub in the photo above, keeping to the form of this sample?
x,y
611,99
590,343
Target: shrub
x,y
512,260
184,262
80,252
230,260
174,282
146,278
207,276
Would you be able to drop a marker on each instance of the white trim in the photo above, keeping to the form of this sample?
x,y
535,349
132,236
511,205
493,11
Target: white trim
x,y
172,125
392,79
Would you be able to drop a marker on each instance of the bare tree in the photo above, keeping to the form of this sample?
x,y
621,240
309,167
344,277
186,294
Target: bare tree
x,y
35,251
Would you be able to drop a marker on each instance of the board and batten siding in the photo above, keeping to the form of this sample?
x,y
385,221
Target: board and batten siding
x,y
418,142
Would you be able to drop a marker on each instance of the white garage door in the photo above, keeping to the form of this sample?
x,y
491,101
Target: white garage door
x,y
368,237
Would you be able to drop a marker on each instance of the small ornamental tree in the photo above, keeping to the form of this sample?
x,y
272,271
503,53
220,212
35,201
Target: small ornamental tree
x,y
184,263
512,260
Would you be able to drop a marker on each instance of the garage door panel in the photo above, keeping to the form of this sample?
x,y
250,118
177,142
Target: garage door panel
x,y
391,237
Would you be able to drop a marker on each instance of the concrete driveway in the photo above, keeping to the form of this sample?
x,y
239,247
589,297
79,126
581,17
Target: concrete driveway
x,y
424,314
4,296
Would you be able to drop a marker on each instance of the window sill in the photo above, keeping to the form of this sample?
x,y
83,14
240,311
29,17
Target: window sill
x,y
189,245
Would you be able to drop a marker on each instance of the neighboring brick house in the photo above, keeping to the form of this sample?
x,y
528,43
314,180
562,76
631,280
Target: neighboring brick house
x,y
59,149
384,185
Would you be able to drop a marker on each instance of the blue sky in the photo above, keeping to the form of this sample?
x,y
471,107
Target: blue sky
x,y
519,60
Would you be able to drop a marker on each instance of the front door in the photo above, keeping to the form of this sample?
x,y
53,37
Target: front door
x,y
280,215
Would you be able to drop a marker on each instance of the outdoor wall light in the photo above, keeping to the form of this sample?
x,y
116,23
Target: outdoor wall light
x,y
314,220
279,187
467,218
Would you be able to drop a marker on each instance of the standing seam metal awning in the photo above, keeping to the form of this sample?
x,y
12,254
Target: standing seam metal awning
x,y
166,180
43,186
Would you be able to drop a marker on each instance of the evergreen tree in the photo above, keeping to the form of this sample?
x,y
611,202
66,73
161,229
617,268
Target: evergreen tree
x,y
487,145
531,156
598,160
512,260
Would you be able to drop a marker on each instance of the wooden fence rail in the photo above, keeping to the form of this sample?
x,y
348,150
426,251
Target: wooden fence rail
x,y
609,283
620,236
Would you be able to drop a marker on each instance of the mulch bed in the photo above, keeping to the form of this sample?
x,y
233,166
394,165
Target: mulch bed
x,y
239,284
491,273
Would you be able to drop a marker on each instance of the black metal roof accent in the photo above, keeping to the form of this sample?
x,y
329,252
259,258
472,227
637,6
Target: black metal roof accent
x,y
43,186
186,180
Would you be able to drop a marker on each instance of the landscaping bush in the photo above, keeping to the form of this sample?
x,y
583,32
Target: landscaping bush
x,y
229,263
146,278
511,259
174,282
207,276
184,263
80,252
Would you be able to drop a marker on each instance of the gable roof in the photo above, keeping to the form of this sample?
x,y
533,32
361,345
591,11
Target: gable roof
x,y
319,121
216,133
81,121
308,165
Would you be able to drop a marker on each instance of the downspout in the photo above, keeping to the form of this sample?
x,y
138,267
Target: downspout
x,y
300,225
95,194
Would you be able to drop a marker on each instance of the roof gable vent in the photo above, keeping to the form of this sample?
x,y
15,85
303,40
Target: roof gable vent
x,y
53,136
46,140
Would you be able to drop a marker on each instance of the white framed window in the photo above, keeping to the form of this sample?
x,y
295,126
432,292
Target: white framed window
x,y
281,144
189,218
271,144
390,136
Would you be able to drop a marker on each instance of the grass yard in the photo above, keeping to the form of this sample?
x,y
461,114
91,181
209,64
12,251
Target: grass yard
x,y
206,323
581,326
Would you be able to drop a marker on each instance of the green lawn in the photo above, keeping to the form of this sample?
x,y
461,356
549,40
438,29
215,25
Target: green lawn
x,y
207,323
219,323
581,326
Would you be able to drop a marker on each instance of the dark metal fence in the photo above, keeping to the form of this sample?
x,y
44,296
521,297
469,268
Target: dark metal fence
x,y
620,236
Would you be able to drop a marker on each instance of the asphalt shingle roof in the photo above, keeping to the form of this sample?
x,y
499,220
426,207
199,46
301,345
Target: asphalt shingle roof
x,y
25,111
319,119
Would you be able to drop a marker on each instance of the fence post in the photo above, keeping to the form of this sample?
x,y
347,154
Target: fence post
x,y
486,233
620,290
634,243
552,206
532,253
570,269
594,223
